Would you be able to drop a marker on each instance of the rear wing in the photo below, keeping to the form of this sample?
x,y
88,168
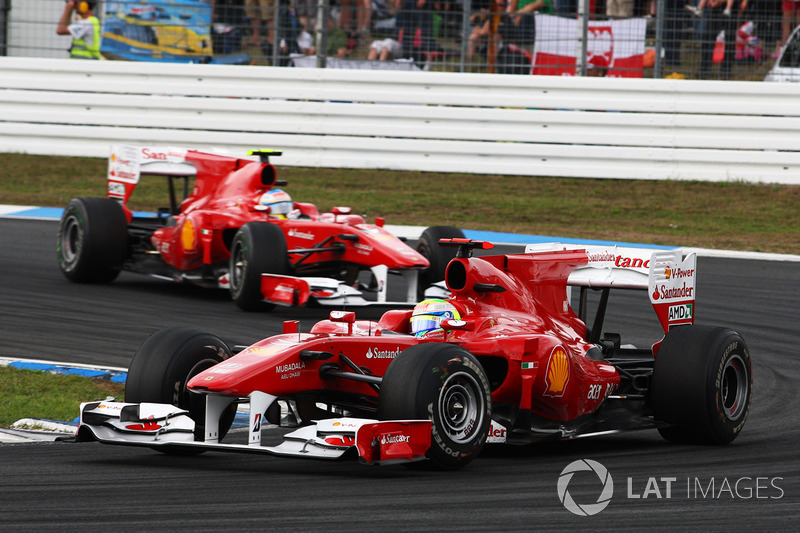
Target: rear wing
x,y
665,274
126,165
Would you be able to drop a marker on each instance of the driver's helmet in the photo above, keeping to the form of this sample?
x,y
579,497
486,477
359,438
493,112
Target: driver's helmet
x,y
428,314
279,202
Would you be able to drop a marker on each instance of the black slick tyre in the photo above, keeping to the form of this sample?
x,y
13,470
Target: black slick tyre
x,y
166,361
702,385
258,247
446,384
438,256
92,240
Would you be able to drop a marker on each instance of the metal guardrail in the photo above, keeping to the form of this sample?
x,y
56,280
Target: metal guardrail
x,y
476,123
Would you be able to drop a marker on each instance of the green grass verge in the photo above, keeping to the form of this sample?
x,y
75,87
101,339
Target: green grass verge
x,y
720,215
38,394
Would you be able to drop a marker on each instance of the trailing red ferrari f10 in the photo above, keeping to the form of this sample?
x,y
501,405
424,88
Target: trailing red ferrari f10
x,y
506,358
228,225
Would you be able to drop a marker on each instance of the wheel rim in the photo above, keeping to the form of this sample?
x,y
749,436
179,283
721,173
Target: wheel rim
x,y
71,239
185,396
735,387
238,266
460,407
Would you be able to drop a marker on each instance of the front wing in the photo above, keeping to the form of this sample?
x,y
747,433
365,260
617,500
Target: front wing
x,y
168,428
297,291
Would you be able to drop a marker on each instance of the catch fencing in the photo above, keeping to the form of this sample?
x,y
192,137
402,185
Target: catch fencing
x,y
424,121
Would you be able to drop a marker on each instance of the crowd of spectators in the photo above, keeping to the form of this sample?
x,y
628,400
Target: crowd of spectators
x,y
500,34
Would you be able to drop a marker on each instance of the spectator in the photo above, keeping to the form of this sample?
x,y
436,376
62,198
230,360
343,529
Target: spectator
x,y
716,22
85,29
306,11
790,18
305,43
415,27
260,13
363,17
358,11
698,11
522,21
480,32
337,39
619,8
673,25
385,50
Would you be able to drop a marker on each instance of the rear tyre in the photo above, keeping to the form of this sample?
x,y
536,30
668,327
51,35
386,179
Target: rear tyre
x,y
92,240
164,364
438,256
446,384
258,247
702,385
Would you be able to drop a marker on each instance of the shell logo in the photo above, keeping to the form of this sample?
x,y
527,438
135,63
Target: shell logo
x,y
668,272
557,374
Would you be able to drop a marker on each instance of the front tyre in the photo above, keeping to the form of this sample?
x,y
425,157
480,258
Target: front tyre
x,y
438,256
92,240
258,247
446,384
164,364
702,385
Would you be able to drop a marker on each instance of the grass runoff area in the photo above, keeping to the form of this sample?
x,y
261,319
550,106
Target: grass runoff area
x,y
726,215
37,394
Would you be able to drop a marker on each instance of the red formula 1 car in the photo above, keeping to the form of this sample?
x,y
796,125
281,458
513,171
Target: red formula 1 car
x,y
237,230
504,359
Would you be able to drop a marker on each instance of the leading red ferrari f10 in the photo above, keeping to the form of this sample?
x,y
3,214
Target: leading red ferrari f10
x,y
238,230
506,358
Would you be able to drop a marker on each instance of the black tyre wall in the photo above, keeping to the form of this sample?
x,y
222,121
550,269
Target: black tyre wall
x,y
257,248
417,385
694,384
165,362
92,240
438,256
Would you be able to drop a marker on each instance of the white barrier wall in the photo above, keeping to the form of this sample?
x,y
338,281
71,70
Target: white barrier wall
x,y
429,121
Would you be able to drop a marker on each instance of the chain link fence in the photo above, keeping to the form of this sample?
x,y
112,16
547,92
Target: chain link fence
x,y
615,38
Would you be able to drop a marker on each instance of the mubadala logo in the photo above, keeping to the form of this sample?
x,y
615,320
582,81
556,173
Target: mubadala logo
x,y
382,354
585,509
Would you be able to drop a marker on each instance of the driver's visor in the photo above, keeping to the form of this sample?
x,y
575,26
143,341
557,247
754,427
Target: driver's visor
x,y
429,321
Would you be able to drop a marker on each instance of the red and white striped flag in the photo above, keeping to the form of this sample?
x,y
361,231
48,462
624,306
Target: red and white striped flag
x,y
615,44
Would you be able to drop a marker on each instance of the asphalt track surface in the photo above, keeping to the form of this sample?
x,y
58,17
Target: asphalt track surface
x,y
753,484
